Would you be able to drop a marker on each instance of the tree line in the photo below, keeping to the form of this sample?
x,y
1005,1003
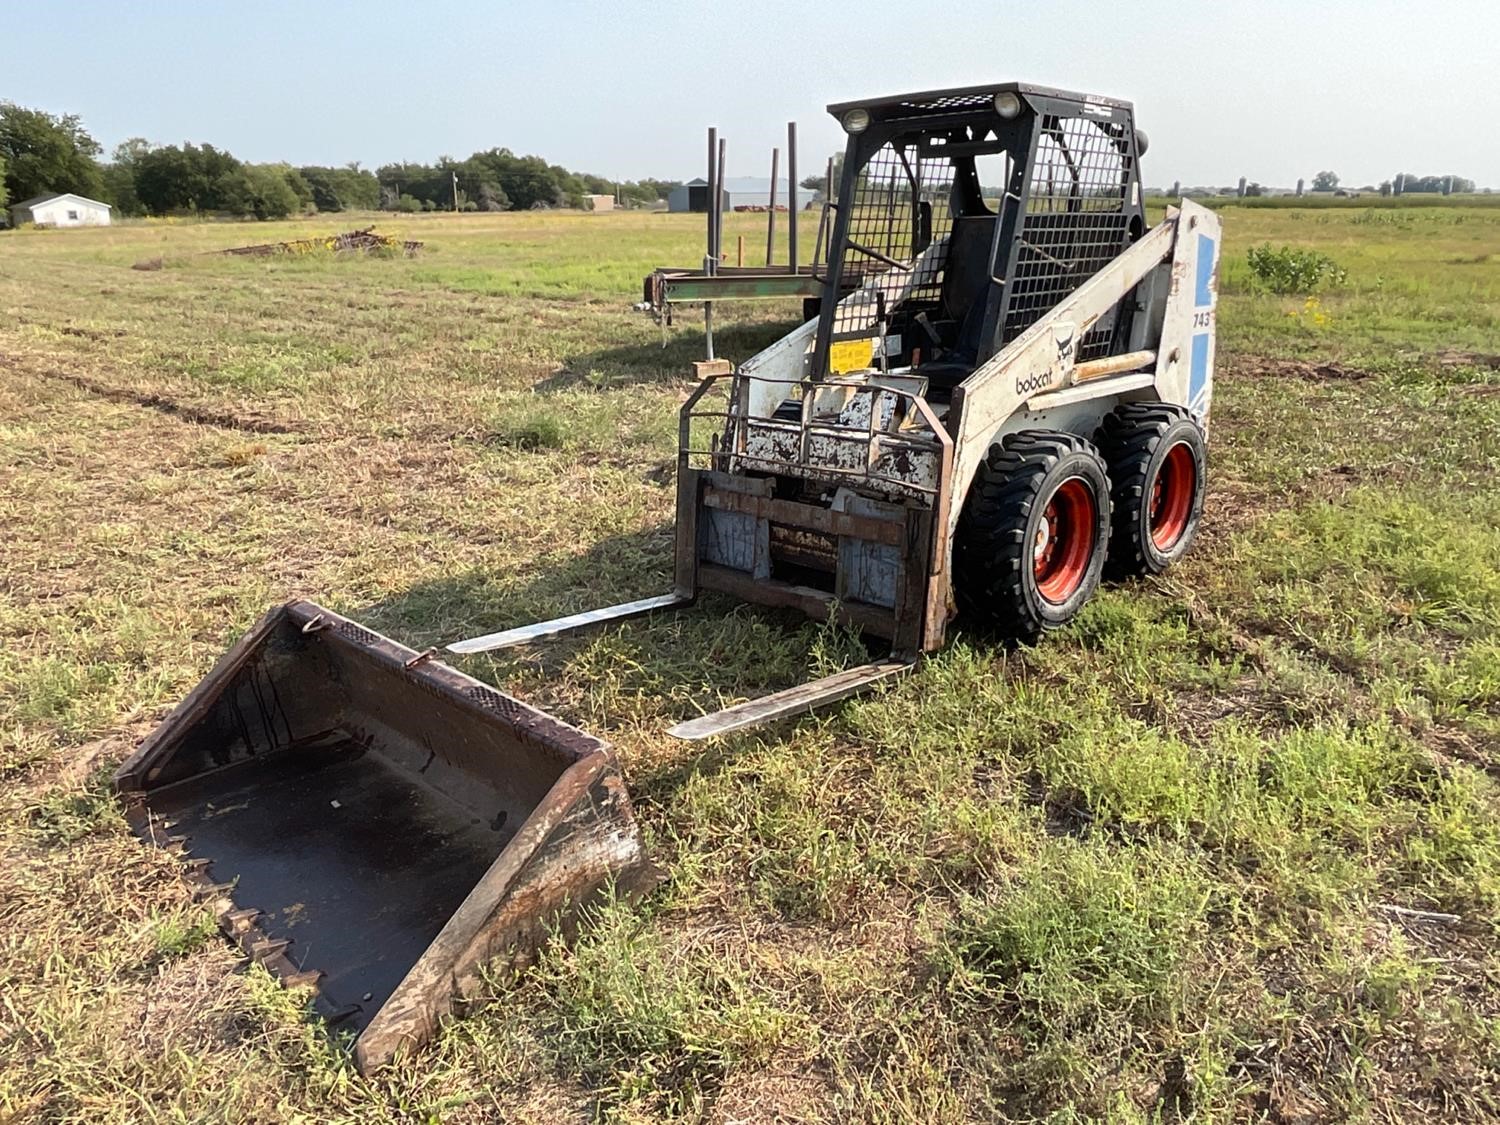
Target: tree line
x,y
41,153
1404,183
499,180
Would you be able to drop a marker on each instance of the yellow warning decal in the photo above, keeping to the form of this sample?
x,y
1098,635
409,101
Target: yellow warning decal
x,y
850,355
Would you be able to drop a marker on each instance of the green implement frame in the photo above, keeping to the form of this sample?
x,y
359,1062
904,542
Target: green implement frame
x,y
668,286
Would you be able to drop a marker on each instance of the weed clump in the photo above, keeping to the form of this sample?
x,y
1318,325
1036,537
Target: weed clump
x,y
1285,269
530,432
1079,928
1086,948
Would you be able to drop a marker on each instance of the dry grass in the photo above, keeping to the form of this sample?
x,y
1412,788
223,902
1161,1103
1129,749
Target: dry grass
x,y
1136,873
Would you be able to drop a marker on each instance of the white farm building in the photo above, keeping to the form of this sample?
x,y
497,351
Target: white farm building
x,y
61,210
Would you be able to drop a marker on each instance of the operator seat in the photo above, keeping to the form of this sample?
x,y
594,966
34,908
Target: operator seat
x,y
966,277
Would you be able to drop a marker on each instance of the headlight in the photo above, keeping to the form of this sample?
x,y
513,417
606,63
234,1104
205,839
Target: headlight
x,y
1142,142
1008,104
856,121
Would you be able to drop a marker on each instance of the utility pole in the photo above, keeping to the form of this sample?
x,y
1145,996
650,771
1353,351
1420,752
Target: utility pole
x,y
455,192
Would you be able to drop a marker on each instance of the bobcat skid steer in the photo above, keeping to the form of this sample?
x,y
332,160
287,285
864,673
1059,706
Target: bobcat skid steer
x,y
1012,401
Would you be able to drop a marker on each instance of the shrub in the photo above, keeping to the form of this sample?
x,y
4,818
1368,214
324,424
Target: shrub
x,y
1286,269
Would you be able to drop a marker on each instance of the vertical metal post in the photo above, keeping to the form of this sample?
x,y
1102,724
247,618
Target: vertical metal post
x,y
710,257
890,218
716,205
833,278
791,195
719,205
771,210
713,173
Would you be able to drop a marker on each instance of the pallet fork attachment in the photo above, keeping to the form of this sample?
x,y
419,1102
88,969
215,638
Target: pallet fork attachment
x,y
559,626
753,712
792,701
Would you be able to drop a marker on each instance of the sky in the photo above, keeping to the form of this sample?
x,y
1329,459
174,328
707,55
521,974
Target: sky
x,y
1270,90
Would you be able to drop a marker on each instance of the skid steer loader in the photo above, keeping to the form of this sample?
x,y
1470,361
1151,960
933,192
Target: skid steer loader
x,y
1012,396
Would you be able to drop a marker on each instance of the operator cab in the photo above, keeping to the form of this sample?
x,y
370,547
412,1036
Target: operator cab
x,y
963,216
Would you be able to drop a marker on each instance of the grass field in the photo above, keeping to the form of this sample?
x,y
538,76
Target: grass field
x,y
1159,868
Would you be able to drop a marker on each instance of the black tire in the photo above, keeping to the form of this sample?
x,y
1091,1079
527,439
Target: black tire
x,y
1158,466
1001,576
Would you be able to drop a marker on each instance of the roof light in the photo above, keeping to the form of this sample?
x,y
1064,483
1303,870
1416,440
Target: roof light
x,y
856,121
1008,104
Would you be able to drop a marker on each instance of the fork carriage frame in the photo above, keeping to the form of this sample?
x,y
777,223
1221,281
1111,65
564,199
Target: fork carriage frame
x,y
889,549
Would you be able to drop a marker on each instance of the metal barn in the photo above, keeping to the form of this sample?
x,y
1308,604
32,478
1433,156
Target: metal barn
x,y
739,191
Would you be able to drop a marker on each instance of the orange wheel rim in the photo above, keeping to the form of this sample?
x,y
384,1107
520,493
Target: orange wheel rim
x,y
1172,496
1064,540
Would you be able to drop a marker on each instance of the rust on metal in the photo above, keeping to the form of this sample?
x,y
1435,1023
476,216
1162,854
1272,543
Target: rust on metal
x,y
804,546
818,604
824,520
864,440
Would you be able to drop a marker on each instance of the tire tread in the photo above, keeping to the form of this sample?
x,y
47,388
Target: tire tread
x,y
1128,439
990,549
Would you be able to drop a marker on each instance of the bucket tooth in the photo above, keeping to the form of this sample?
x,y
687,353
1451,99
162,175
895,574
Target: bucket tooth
x,y
343,1013
267,948
240,921
402,824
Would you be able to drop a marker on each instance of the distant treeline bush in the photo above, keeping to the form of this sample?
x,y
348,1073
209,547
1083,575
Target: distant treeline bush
x,y
40,153
499,180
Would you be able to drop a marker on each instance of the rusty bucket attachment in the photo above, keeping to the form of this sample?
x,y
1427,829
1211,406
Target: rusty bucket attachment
x,y
376,824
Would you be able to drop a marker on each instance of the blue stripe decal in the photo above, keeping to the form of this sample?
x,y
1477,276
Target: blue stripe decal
x,y
1198,371
1205,271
